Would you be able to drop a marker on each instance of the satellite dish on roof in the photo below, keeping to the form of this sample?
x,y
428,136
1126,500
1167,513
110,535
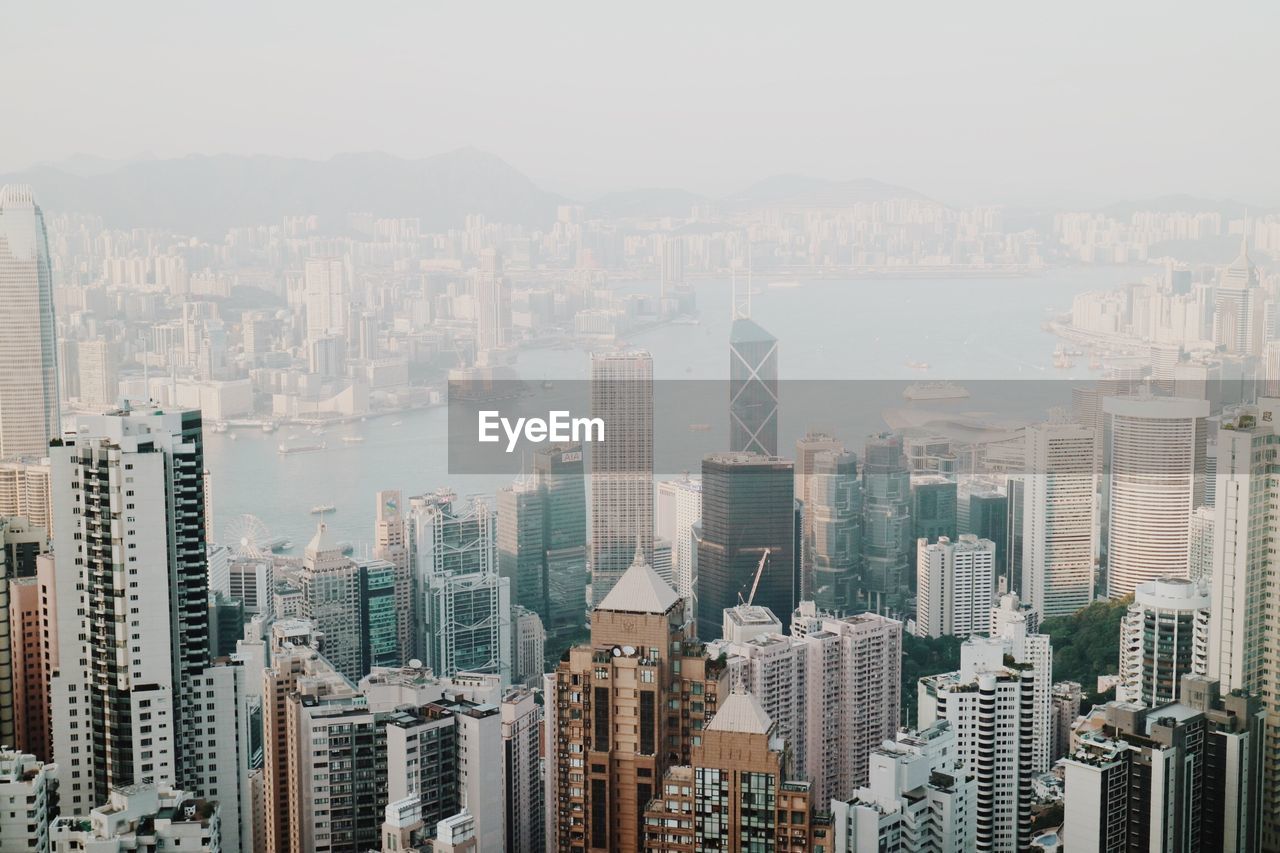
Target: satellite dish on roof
x,y
628,650
617,652
415,664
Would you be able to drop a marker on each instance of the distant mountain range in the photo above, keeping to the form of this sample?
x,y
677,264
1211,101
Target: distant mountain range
x,y
204,195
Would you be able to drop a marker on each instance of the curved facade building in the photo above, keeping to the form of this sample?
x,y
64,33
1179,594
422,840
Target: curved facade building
x,y
1164,636
1155,459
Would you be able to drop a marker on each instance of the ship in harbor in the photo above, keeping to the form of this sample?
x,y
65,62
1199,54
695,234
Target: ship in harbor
x,y
286,450
935,391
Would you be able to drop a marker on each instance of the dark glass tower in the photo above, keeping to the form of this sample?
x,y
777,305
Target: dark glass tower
x,y
753,389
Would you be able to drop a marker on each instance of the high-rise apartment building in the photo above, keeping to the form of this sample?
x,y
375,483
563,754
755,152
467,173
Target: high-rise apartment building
x,y
493,305
29,400
466,604
134,695
622,710
1154,480
748,516
33,627
1180,776
524,824
1244,625
621,466
753,389
1057,498
886,528
21,544
326,300
25,491
919,797
1163,636
955,582
989,705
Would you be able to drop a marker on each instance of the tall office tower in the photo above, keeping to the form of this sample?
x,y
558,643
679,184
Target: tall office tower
x,y
621,466
33,625
133,616
156,815
1154,480
391,544
988,705
886,527
671,251
493,304
562,484
1057,509
643,667
987,517
1067,696
524,824
933,507
1011,579
521,525
955,582
330,583
736,794
753,389
528,646
808,447
1238,316
29,414
1181,776
466,604
29,790
748,515
1244,625
99,384
325,298
832,532
920,796
1164,636
679,507
25,491
21,543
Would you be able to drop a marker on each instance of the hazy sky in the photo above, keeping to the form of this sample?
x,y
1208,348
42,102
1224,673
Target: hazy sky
x,y
1070,102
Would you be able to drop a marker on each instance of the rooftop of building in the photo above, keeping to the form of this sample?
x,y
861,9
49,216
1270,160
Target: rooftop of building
x,y
640,590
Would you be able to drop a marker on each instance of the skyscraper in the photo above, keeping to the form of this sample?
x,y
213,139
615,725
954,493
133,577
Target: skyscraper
x,y
21,544
955,582
493,305
753,389
133,693
390,544
679,507
987,704
1155,455
1164,636
1057,499
326,300
29,400
621,466
1238,314
1244,624
748,515
642,666
466,604
886,528
832,532
562,485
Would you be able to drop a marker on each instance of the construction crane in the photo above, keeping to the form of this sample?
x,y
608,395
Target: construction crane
x,y
755,584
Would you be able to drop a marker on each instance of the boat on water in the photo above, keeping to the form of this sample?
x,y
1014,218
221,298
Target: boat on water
x,y
784,285
547,384
684,320
268,426
322,509
397,423
353,439
917,365
221,426
934,391
285,450
699,427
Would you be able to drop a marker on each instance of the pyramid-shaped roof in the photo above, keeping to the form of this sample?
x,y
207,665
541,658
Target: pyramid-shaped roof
x,y
640,590
741,712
